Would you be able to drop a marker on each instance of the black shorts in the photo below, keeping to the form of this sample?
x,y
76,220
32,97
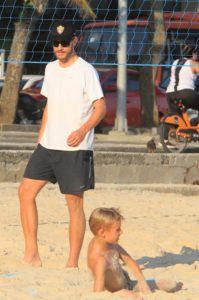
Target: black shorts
x,y
189,98
72,170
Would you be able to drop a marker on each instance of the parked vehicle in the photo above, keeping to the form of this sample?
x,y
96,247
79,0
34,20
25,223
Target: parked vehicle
x,y
32,102
99,40
133,102
22,83
178,130
30,108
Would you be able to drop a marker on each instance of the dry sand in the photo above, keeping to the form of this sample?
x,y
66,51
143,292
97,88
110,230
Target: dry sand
x,y
160,231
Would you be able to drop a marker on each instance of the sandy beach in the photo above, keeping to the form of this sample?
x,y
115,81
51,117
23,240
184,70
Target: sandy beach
x,y
161,231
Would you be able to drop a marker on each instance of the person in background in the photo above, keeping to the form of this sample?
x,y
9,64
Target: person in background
x,y
183,77
64,153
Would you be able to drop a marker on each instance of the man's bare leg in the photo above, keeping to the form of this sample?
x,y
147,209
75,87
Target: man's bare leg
x,y
77,226
28,191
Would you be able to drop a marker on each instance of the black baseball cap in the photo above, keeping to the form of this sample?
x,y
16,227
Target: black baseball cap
x,y
63,31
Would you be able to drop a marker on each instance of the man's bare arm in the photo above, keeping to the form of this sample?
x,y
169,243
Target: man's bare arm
x,y
43,124
99,111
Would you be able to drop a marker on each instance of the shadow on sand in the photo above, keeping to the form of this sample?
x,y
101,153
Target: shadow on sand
x,y
186,256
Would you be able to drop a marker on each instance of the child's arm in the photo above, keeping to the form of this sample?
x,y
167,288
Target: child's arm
x,y
99,280
99,275
127,259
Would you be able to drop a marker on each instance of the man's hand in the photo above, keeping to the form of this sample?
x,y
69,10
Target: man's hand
x,y
75,138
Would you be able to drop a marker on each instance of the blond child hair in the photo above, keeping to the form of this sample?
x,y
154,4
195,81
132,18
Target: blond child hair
x,y
103,217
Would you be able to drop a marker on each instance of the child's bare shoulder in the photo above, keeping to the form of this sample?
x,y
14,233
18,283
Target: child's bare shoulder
x,y
95,254
97,263
93,248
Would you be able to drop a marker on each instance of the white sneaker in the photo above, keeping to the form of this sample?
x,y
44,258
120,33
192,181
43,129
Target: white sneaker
x,y
168,144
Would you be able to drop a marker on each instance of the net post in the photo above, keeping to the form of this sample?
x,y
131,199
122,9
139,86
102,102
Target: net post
x,y
2,62
121,121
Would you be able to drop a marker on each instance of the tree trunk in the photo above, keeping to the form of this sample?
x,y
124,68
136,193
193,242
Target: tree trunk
x,y
159,41
154,49
147,96
23,30
9,95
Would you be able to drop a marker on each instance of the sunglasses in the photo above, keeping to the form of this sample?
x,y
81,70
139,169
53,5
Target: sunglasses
x,y
62,43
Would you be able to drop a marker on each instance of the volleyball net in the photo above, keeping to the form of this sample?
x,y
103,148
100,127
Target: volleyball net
x,y
155,30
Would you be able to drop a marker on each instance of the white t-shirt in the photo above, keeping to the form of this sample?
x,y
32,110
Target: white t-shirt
x,y
186,77
70,93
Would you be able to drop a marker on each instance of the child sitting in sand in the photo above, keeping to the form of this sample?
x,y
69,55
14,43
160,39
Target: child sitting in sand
x,y
104,254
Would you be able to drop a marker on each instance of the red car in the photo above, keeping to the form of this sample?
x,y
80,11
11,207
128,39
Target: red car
x,y
109,84
108,79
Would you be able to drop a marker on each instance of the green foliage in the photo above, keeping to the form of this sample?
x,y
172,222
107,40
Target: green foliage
x,y
26,10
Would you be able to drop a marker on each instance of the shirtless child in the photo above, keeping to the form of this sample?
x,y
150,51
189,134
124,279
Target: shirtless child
x,y
104,254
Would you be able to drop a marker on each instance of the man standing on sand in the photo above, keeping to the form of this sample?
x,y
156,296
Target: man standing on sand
x,y
64,154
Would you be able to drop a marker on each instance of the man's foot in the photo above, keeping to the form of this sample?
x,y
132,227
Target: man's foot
x,y
34,262
168,285
72,263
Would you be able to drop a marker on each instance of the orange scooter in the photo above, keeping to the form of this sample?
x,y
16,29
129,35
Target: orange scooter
x,y
177,130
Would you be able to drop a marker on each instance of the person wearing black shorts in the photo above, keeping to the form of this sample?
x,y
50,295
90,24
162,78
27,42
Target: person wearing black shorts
x,y
64,152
